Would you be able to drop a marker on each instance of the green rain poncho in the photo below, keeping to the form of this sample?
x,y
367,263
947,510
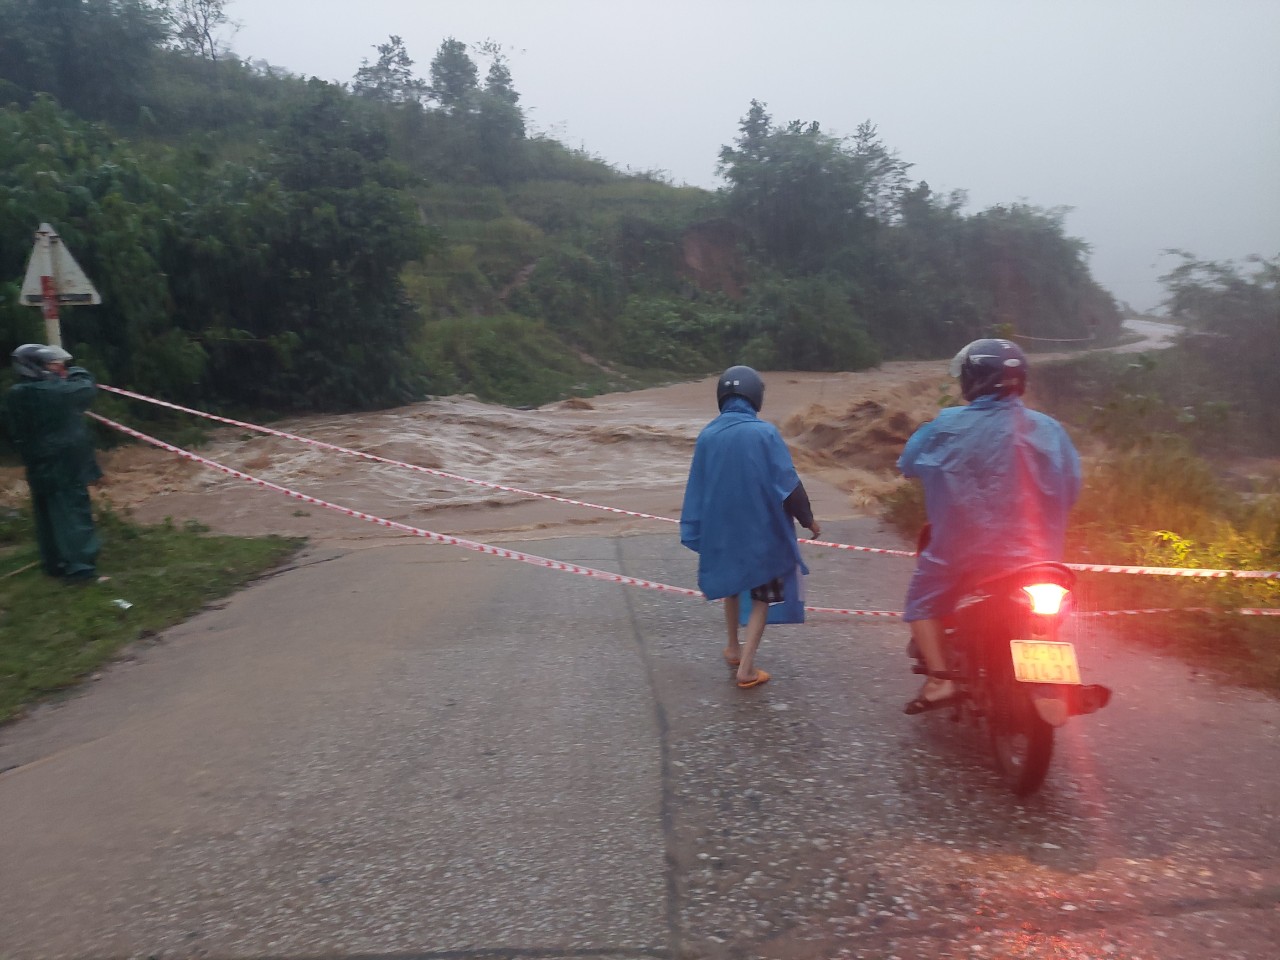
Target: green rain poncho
x,y
47,425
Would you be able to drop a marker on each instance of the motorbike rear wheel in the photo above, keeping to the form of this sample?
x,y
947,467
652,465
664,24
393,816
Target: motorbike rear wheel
x,y
1021,742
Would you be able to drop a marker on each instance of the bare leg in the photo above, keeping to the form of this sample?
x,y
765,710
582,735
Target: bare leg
x,y
733,651
751,642
928,637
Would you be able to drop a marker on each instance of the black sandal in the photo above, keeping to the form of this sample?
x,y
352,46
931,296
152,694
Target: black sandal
x,y
923,704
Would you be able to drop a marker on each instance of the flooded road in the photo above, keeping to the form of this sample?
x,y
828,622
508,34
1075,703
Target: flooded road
x,y
398,749
628,450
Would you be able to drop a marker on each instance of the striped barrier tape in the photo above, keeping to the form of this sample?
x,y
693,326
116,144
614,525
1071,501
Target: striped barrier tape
x,y
449,476
1243,611
377,459
881,614
1087,567
1178,571
441,537
519,555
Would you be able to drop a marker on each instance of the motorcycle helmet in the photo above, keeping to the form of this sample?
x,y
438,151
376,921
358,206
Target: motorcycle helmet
x,y
31,360
740,382
990,367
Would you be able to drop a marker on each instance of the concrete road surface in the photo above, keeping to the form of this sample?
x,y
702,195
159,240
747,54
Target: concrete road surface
x,y
409,751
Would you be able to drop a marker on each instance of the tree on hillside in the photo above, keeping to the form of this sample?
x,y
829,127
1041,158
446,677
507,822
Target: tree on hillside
x,y
1233,319
196,23
113,210
94,56
921,275
801,193
920,294
469,133
275,285
391,78
497,80
453,77
1036,273
884,175
346,232
499,121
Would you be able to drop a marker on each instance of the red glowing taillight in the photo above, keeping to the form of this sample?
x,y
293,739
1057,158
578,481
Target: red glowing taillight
x,y
1046,598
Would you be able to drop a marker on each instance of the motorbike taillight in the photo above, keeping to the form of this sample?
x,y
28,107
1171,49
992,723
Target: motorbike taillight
x,y
1046,598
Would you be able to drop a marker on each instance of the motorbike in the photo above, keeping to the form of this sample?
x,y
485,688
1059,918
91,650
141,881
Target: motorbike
x,y
1017,679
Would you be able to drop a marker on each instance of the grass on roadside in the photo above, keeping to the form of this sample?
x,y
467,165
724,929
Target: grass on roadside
x,y
51,634
1160,505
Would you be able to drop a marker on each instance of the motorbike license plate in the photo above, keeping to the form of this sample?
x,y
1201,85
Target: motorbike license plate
x,y
1044,661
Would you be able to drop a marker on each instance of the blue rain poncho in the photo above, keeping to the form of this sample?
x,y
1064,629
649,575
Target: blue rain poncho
x,y
999,480
733,515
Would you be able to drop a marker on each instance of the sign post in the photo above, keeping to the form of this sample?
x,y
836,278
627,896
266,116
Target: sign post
x,y
54,279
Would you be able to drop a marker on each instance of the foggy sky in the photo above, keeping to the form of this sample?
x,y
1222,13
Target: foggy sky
x,y
1156,121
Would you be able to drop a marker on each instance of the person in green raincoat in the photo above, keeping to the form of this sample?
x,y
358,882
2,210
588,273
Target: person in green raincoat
x,y
47,425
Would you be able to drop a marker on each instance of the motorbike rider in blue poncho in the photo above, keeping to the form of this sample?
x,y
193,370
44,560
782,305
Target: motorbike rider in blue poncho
x,y
999,480
740,504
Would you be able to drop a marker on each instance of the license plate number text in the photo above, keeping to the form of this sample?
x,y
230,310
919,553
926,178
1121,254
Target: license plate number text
x,y
1044,661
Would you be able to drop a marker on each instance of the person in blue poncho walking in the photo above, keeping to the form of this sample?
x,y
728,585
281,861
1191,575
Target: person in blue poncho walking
x,y
999,480
740,505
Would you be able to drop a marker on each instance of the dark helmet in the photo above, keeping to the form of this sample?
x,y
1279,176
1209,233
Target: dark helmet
x,y
31,360
991,366
740,382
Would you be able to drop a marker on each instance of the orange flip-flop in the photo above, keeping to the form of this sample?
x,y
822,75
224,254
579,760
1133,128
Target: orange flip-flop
x,y
760,678
731,661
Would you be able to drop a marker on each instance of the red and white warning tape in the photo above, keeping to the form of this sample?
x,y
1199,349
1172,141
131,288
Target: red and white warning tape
x,y
1090,567
377,459
406,528
1178,571
441,537
1243,611
882,614
320,444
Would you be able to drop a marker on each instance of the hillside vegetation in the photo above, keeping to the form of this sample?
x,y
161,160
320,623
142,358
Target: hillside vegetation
x,y
268,242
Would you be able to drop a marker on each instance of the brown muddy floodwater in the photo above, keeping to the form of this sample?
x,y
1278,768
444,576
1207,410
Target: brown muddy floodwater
x,y
626,450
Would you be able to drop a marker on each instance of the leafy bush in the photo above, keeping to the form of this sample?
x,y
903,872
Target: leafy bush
x,y
675,334
806,324
506,358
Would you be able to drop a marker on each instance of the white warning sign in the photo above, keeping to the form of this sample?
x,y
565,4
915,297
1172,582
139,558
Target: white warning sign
x,y
50,258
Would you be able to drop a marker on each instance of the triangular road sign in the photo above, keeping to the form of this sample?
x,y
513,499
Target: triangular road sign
x,y
51,258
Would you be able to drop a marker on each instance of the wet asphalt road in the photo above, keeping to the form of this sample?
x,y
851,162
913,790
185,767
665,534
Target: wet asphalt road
x,y
409,751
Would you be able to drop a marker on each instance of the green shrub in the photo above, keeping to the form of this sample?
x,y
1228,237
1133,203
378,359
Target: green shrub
x,y
676,334
505,358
